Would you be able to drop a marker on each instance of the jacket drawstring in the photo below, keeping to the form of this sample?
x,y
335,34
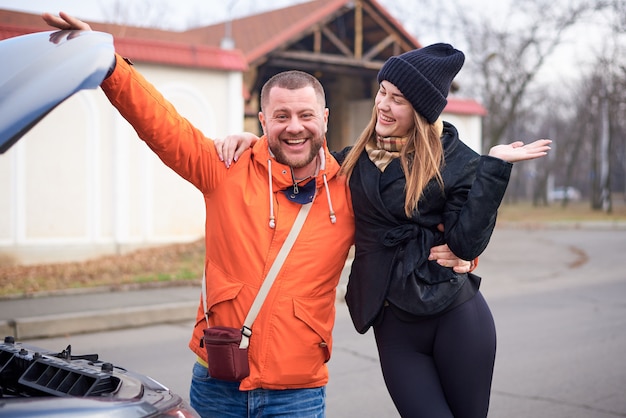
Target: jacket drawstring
x,y
269,175
322,167
331,214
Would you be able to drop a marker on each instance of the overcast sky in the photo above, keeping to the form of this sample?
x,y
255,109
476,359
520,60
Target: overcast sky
x,y
180,12
566,62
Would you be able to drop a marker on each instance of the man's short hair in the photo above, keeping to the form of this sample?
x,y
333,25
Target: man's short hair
x,y
292,80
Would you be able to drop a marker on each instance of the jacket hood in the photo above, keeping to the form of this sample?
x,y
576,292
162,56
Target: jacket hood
x,y
281,175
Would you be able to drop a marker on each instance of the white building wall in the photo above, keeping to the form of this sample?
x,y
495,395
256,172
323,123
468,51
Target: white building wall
x,y
81,184
469,127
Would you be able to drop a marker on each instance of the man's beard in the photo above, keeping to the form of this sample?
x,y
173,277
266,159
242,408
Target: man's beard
x,y
280,156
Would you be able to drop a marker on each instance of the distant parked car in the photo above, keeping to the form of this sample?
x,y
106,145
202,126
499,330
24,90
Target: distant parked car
x,y
562,193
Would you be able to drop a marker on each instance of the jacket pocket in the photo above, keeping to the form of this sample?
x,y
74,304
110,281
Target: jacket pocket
x,y
301,341
221,290
319,315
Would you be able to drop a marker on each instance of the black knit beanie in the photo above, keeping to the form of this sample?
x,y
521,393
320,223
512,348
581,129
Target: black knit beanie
x,y
424,76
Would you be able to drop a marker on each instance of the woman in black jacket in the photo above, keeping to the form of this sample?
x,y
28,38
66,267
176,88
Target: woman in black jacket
x,y
408,173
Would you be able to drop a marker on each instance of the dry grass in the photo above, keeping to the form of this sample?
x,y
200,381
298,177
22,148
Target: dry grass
x,y
573,212
183,263
172,264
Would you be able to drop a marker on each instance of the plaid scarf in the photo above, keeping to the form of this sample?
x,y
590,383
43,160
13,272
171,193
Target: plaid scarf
x,y
384,150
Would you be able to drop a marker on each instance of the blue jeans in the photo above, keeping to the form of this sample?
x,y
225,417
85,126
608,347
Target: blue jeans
x,y
212,398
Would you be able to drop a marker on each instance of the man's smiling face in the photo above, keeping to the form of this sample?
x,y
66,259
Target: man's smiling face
x,y
295,122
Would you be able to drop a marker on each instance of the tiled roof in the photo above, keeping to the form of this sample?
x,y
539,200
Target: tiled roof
x,y
148,45
459,106
260,34
184,55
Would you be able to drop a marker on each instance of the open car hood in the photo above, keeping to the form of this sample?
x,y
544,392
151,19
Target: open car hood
x,y
40,70
35,382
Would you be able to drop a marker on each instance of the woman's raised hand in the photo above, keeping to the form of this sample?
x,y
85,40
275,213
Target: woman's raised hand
x,y
517,151
230,148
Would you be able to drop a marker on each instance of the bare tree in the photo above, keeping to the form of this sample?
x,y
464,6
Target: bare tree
x,y
605,162
610,70
505,51
590,139
507,58
574,137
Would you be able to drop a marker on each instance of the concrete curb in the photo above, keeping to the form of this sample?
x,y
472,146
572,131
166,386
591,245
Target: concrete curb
x,y
92,321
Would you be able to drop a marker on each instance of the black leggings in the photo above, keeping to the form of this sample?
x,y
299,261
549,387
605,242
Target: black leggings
x,y
439,366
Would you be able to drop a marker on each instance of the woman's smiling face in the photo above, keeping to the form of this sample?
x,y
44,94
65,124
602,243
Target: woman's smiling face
x,y
394,111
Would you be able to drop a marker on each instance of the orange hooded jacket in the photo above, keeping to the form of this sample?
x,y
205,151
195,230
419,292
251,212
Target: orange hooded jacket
x,y
291,337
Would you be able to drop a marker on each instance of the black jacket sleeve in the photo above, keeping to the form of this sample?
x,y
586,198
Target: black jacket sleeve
x,y
470,214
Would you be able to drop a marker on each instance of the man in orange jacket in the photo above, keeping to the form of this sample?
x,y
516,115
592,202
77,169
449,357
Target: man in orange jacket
x,y
250,208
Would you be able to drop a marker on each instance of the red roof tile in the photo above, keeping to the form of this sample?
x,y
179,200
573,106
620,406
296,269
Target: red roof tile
x,y
184,55
146,45
458,106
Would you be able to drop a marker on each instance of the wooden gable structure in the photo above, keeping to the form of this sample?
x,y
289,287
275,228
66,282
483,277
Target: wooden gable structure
x,y
342,42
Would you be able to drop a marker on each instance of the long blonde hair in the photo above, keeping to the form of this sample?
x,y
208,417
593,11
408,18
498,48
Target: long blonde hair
x,y
421,157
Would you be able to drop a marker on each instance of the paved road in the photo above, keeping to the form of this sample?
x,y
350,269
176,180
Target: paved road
x,y
558,299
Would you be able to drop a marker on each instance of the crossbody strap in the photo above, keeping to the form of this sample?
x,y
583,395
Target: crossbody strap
x,y
246,330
